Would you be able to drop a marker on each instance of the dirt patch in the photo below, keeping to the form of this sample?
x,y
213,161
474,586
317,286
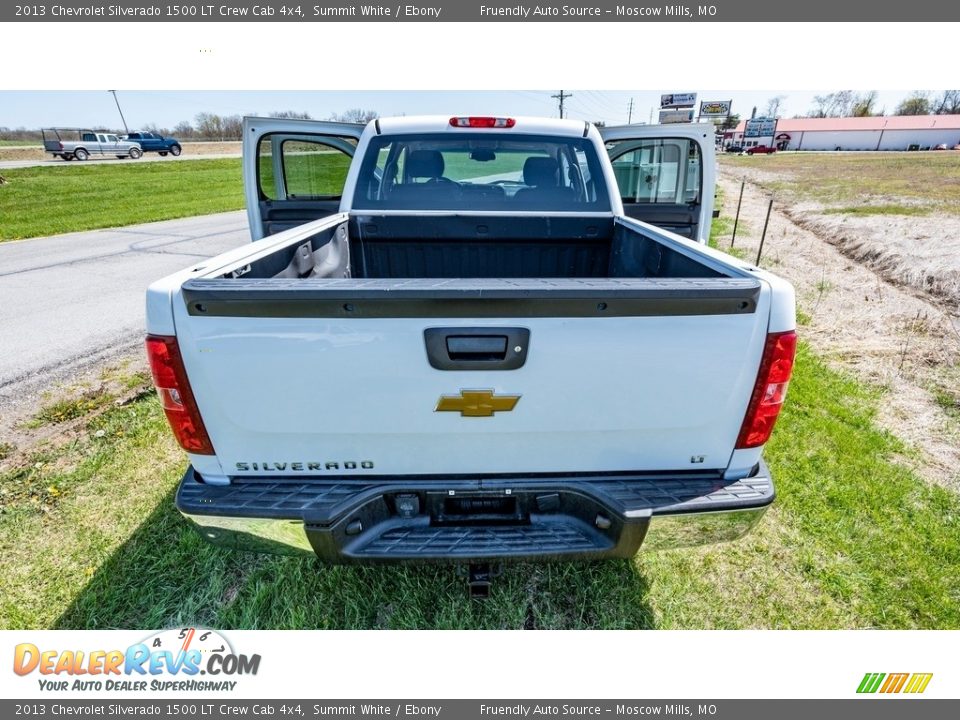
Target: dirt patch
x,y
863,317
189,149
61,414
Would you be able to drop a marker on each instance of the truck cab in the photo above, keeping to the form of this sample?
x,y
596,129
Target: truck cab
x,y
81,144
665,175
154,142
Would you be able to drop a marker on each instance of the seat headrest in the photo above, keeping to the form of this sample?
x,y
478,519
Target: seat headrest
x,y
425,164
540,172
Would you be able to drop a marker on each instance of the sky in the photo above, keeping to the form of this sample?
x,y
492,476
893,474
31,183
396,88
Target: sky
x,y
36,109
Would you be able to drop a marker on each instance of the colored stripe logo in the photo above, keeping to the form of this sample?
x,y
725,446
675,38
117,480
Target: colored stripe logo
x,y
913,683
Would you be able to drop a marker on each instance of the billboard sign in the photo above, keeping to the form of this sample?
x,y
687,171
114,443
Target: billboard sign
x,y
760,127
675,116
678,100
715,108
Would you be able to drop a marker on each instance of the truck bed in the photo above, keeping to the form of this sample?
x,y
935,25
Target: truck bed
x,y
468,247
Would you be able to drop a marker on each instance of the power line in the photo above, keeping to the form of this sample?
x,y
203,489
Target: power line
x,y
612,106
536,97
561,97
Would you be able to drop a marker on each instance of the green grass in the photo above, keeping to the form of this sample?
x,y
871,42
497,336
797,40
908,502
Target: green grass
x,y
90,538
46,201
721,228
851,182
67,409
878,210
948,400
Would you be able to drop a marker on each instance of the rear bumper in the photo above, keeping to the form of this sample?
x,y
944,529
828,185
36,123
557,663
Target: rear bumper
x,y
433,519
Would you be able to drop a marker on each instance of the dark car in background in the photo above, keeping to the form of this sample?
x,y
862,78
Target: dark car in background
x,y
761,150
152,142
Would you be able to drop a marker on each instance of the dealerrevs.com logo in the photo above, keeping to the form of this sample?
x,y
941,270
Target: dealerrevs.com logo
x,y
169,660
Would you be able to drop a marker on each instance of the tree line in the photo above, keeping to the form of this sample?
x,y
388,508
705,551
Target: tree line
x,y
205,126
847,103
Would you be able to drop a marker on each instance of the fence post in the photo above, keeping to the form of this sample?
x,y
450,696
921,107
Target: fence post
x,y
764,235
737,218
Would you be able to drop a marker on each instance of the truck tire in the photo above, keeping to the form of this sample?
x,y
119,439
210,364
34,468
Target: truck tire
x,y
163,153
135,153
81,154
175,150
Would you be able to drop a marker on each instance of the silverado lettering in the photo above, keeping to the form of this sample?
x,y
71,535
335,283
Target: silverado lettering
x,y
304,466
466,263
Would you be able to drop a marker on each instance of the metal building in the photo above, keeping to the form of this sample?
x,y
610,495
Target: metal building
x,y
898,132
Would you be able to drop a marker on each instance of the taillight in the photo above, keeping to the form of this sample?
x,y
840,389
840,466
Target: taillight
x,y
482,122
177,399
776,366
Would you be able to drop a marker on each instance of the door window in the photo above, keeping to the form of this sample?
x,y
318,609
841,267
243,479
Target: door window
x,y
660,171
298,168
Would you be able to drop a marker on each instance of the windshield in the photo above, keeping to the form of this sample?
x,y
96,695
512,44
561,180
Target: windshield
x,y
480,171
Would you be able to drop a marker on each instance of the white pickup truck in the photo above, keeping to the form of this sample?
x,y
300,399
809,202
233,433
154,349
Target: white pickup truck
x,y
473,338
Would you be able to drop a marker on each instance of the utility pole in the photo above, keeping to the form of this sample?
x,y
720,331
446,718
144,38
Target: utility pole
x,y
125,128
561,97
651,117
630,112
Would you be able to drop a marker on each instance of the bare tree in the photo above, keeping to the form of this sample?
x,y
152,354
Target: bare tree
x,y
232,128
291,115
835,104
209,126
844,102
773,105
863,104
184,129
948,103
821,104
355,115
918,103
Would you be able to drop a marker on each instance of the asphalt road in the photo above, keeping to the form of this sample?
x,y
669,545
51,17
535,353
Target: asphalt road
x,y
148,157
68,302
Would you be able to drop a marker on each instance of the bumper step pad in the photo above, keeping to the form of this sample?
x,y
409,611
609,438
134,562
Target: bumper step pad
x,y
537,539
380,519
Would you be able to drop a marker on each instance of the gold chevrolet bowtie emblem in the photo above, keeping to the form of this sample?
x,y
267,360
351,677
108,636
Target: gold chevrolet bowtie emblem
x,y
476,403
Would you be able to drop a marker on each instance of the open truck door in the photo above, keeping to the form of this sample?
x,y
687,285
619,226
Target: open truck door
x,y
294,170
666,174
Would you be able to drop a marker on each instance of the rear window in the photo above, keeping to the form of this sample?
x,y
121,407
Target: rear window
x,y
480,171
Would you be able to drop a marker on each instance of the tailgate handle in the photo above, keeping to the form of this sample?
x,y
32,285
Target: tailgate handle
x,y
477,347
471,348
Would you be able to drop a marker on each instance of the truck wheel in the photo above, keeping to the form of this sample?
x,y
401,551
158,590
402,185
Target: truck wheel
x,y
135,153
81,154
68,158
163,153
175,150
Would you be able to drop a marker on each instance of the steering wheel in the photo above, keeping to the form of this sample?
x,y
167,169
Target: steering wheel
x,y
442,181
